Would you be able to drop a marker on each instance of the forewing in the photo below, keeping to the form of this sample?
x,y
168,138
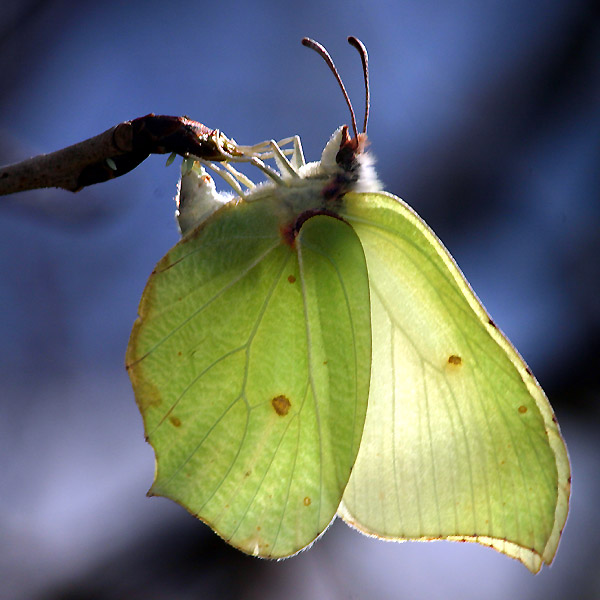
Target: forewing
x,y
460,441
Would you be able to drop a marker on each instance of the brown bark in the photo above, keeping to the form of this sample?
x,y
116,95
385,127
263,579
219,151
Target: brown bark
x,y
111,154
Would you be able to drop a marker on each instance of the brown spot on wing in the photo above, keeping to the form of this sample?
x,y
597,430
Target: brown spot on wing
x,y
176,421
307,501
291,279
454,359
281,405
522,409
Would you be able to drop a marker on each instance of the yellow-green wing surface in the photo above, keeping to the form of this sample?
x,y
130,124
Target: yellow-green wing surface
x,y
250,362
460,442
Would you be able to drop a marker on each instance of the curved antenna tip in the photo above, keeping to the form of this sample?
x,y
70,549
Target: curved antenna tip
x,y
322,52
364,57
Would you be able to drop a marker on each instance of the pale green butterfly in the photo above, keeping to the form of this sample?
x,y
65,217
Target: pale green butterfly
x,y
310,348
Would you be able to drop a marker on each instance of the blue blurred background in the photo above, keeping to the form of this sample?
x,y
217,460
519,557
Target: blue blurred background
x,y
484,118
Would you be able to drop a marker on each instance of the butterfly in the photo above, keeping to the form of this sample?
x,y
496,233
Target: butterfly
x,y
310,349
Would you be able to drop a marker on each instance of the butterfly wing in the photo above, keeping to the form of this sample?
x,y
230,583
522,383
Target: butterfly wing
x,y
250,362
460,441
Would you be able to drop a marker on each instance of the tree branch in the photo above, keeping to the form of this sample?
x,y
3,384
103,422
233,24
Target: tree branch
x,y
112,154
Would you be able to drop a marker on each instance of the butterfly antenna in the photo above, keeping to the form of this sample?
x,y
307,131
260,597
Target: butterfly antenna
x,y
320,50
365,64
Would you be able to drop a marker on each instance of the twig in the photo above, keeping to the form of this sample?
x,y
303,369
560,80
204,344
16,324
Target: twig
x,y
112,154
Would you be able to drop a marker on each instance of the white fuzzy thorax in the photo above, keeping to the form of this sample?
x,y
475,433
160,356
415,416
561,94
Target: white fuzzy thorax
x,y
298,187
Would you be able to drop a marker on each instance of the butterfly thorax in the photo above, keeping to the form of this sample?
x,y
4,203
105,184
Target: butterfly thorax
x,y
300,189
